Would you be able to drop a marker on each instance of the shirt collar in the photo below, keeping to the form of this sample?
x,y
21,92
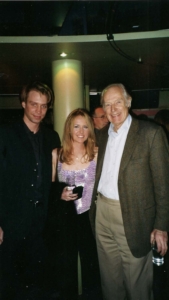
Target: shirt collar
x,y
29,131
125,126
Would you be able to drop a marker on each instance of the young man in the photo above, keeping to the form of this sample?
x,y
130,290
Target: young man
x,y
25,181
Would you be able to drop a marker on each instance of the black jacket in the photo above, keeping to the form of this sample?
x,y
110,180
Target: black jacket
x,y
18,175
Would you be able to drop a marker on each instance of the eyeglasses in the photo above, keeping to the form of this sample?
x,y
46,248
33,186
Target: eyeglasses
x,y
102,117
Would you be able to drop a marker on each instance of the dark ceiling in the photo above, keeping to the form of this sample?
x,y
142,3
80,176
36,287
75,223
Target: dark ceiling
x,y
47,18
41,18
140,63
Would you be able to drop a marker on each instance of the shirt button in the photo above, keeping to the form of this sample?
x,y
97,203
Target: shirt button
x,y
34,170
32,184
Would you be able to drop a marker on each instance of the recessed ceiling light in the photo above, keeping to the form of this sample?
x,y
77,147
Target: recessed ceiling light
x,y
63,54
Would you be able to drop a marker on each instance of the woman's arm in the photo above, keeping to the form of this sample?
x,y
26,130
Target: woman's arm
x,y
95,153
1,236
54,163
59,187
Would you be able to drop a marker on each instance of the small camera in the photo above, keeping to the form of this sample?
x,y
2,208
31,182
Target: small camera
x,y
78,190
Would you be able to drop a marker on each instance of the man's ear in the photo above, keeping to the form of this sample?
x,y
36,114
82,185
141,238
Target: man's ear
x,y
23,104
129,103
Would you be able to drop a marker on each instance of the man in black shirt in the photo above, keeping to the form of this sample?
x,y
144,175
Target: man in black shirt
x,y
25,181
99,119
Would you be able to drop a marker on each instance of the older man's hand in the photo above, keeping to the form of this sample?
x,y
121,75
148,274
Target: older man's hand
x,y
161,239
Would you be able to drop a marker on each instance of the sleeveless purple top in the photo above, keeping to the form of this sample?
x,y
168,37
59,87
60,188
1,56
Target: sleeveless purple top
x,y
84,177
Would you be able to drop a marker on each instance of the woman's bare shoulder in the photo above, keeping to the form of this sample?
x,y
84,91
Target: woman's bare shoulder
x,y
95,153
96,150
56,153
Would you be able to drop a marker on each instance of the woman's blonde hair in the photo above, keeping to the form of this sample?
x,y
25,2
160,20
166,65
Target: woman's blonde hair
x,y
67,146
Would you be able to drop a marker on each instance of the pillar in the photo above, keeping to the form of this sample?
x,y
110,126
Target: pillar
x,y
68,90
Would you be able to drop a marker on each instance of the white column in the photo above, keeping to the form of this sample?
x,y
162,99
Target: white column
x,y
68,90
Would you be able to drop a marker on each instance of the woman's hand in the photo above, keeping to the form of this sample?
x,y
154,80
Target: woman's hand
x,y
68,195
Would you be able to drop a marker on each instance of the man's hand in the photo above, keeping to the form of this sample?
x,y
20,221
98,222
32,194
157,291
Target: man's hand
x,y
1,236
161,238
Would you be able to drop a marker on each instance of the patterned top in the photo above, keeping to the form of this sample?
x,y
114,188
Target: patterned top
x,y
84,177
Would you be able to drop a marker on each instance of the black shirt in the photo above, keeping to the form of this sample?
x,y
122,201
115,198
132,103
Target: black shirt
x,y
36,141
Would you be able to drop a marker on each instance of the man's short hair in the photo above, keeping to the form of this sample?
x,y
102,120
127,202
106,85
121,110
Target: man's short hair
x,y
39,87
94,109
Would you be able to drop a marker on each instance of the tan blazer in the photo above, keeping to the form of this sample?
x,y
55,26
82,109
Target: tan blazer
x,y
143,183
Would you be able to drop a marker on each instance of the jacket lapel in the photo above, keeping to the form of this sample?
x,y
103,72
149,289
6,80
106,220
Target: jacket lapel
x,y
20,130
102,148
130,144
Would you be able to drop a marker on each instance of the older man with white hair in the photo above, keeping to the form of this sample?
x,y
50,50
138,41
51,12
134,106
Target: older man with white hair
x,y
132,191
